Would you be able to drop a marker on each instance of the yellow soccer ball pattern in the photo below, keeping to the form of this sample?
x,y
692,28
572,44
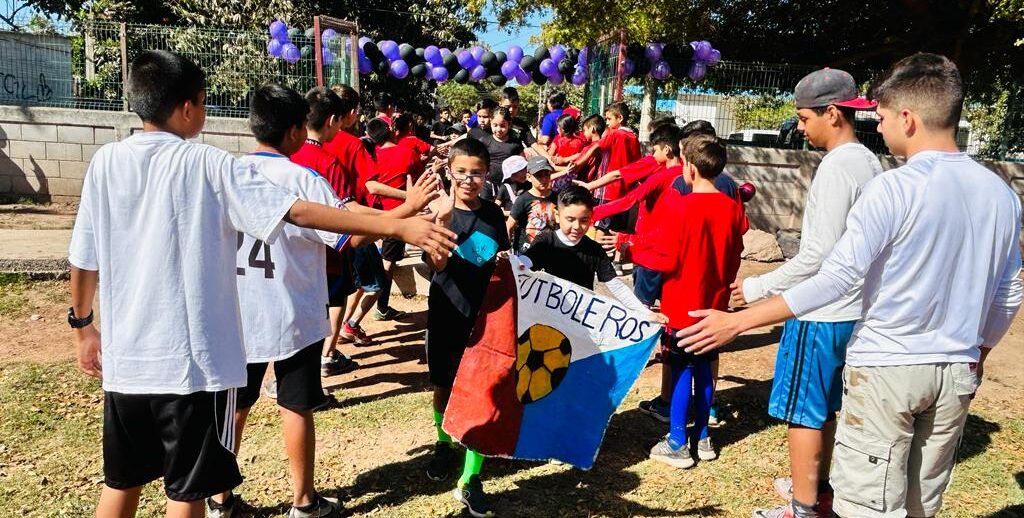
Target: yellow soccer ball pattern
x,y
542,359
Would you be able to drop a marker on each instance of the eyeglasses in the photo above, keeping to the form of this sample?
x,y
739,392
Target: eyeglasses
x,y
467,178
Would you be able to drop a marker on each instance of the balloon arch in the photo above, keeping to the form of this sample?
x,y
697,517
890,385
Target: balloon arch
x,y
554,65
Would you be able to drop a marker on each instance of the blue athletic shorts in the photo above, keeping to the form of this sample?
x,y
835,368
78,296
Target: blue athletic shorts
x,y
646,284
368,268
808,385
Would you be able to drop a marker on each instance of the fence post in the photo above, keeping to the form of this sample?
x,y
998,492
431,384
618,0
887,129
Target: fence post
x,y
620,67
123,37
318,58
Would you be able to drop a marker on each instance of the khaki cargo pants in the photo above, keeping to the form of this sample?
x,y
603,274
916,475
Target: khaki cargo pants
x,y
897,438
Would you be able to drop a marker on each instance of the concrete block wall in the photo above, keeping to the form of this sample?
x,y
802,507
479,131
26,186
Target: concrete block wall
x,y
44,152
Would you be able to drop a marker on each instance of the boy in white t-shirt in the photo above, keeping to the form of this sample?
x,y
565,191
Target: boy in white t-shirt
x,y
159,219
283,296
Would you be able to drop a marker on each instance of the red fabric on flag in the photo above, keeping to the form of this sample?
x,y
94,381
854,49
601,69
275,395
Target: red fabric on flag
x,y
483,412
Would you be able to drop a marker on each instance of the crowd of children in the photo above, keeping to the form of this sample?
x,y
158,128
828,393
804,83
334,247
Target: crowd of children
x,y
272,259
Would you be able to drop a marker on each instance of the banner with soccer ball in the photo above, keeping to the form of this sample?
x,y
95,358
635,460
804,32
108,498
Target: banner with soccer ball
x,y
547,365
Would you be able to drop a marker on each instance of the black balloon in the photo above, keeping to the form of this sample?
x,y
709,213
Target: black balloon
x,y
419,53
566,66
406,51
502,57
383,67
418,70
641,67
529,63
452,63
538,77
489,60
574,55
541,53
372,51
497,79
462,76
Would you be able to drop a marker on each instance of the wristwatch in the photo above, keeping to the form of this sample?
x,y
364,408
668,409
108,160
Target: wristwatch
x,y
77,323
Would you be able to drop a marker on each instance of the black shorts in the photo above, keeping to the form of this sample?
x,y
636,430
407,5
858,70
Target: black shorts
x,y
339,287
186,439
448,333
299,388
647,284
392,249
674,356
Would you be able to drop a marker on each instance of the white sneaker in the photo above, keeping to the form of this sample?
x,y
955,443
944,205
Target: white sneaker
x,y
225,510
325,507
663,452
706,450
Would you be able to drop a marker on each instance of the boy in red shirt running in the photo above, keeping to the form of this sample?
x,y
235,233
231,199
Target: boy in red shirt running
x,y
699,258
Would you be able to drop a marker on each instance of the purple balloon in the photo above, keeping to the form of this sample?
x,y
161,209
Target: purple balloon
x,y
557,53
628,67
328,35
579,78
274,47
697,71
556,78
652,51
523,77
584,53
510,69
466,60
477,53
279,30
445,52
328,56
363,41
701,50
714,57
390,50
291,53
365,65
515,53
399,69
661,71
432,55
548,67
430,70
439,74
478,73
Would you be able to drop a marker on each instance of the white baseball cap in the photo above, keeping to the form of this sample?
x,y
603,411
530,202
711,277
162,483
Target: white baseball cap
x,y
511,166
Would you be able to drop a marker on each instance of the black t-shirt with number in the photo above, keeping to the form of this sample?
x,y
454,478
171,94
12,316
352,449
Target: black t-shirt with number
x,y
525,134
577,263
481,235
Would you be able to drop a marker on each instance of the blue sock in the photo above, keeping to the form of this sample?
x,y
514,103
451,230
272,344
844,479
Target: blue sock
x,y
682,380
703,390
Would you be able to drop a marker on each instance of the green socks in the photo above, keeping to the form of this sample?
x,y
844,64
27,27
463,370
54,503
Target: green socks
x,y
441,435
474,461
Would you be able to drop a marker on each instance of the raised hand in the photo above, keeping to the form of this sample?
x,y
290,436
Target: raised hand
x,y
424,191
433,238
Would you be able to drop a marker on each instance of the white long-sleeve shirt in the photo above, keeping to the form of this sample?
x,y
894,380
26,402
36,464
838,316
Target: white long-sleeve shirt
x,y
936,243
836,185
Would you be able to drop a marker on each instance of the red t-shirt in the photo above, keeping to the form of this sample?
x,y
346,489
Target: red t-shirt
x,y
313,155
568,145
356,164
639,171
621,147
394,166
414,143
651,195
700,254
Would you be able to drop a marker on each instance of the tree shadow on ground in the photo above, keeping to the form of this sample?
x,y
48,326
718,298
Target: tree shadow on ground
x,y
1012,511
977,437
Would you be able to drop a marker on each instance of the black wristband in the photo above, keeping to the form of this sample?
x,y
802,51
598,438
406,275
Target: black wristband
x,y
78,323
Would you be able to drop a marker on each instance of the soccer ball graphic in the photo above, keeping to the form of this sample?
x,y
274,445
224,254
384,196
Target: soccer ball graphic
x,y
542,359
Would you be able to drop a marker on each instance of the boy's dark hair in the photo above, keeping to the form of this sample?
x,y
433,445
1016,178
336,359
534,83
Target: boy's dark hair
x,y
502,112
557,100
469,147
323,103
661,121
383,102
485,104
510,93
273,111
467,111
667,135
160,81
576,195
619,108
706,153
697,127
596,123
349,97
378,131
849,114
404,123
568,124
928,84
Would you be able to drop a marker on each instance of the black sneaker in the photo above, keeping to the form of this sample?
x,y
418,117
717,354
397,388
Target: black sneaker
x,y
656,408
440,465
473,497
337,365
388,314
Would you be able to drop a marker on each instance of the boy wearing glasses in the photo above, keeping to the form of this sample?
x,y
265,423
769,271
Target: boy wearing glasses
x,y
456,292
